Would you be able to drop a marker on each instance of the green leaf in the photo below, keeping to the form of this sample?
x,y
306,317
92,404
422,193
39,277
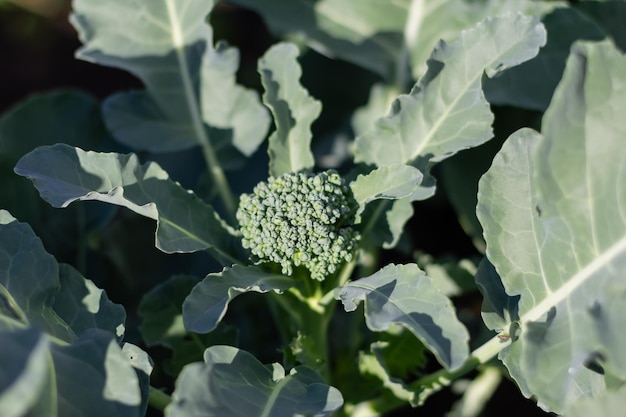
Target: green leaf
x,y
531,84
190,85
207,303
232,383
84,306
389,183
499,310
24,373
95,378
367,32
446,110
185,223
609,404
29,281
384,37
161,311
403,294
552,210
143,366
68,116
293,108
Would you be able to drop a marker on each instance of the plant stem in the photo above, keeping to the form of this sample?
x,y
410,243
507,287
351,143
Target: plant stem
x,y
158,399
215,169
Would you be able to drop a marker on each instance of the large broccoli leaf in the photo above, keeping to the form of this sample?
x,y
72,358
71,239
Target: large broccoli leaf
x,y
191,97
64,174
552,208
60,338
233,383
392,39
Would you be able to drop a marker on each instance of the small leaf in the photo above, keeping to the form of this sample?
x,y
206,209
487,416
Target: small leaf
x,y
390,183
293,109
205,307
143,365
185,223
232,383
403,294
446,110
499,310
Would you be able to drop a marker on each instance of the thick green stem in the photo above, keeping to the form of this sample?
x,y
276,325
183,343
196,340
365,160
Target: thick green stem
x,y
158,399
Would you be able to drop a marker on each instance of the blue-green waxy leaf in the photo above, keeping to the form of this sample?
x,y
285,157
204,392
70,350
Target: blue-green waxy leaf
x,y
84,306
190,85
293,108
392,39
29,281
95,378
403,294
233,383
206,305
552,209
389,183
185,223
446,110
24,373
608,404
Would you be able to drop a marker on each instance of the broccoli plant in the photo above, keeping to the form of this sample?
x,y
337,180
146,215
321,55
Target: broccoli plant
x,y
349,318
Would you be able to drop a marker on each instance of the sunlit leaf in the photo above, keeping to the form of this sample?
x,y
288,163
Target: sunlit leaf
x,y
446,110
207,303
233,383
387,183
403,294
190,85
552,208
24,374
293,108
185,223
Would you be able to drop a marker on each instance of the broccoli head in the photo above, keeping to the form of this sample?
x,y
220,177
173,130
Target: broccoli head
x,y
300,218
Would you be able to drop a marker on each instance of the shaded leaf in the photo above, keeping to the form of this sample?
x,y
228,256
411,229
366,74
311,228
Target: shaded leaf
x,y
294,110
24,374
84,306
170,49
552,210
161,311
207,303
446,110
499,310
403,294
95,378
29,280
232,383
185,223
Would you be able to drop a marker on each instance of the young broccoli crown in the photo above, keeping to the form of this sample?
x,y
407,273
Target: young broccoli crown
x,y
300,218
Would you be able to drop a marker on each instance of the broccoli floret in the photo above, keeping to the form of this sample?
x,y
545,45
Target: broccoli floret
x,y
300,218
